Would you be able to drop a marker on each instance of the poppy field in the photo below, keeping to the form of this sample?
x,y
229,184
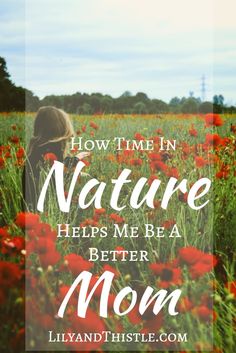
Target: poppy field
x,y
37,266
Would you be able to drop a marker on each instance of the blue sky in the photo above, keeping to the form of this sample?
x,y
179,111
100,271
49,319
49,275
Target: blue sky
x,y
158,47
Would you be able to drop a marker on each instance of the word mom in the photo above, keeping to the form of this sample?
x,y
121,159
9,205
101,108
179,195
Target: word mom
x,y
147,299
194,193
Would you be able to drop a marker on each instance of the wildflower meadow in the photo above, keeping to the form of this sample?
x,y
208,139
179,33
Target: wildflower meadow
x,y
36,263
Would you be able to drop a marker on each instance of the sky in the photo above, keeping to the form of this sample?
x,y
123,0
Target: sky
x,y
160,47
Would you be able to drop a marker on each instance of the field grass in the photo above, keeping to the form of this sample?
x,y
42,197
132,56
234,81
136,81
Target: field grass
x,y
201,151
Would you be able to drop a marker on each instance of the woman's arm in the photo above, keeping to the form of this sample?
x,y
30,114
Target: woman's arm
x,y
71,162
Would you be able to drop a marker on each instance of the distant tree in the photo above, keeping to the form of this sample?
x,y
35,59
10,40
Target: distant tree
x,y
86,109
123,104
159,106
231,109
142,97
95,102
140,108
218,103
174,105
106,104
190,105
32,102
175,101
206,107
126,94
218,99
12,97
4,75
57,101
18,99
5,86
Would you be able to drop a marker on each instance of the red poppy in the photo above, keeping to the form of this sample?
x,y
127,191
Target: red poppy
x,y
27,220
213,120
153,156
233,128
120,251
158,166
139,137
20,152
42,230
224,171
45,248
91,323
116,218
168,274
4,232
204,313
50,157
89,222
159,131
100,211
93,125
200,161
169,223
92,283
231,286
76,263
63,290
15,139
226,141
136,162
199,262
14,243
193,131
213,139
2,163
49,258
10,274
190,255
172,172
8,155
199,269
209,259
111,269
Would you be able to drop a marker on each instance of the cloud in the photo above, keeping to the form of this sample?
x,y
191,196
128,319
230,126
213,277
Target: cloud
x,y
109,46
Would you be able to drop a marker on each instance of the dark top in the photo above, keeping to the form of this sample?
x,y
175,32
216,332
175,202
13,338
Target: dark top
x,y
31,172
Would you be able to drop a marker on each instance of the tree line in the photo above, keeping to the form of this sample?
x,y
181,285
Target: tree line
x,y
14,98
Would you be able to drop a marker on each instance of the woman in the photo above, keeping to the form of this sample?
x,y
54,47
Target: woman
x,y
52,130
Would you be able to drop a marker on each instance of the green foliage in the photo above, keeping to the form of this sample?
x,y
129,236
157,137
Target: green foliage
x,y
12,98
190,105
206,107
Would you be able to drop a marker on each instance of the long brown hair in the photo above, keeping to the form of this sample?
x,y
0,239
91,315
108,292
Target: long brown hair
x,y
52,125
